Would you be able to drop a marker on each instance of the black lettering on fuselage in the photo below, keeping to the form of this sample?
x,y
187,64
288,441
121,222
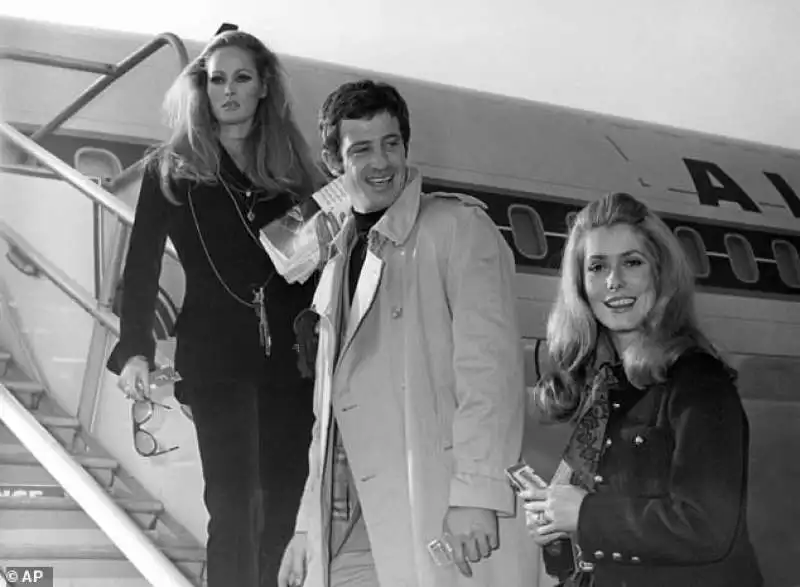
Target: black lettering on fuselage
x,y
786,192
702,173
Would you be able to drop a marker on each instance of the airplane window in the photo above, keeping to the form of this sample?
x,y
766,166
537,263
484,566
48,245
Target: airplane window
x,y
536,360
695,249
788,262
97,163
743,262
528,231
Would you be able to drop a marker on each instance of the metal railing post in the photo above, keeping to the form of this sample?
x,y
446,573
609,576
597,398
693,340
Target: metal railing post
x,y
101,337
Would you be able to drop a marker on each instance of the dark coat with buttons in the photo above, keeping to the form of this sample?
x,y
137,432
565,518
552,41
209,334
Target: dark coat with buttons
x,y
671,505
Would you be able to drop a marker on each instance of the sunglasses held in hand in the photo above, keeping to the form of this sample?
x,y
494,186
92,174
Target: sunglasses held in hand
x,y
142,412
145,410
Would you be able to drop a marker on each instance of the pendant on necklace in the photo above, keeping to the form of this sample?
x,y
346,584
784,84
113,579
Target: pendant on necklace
x,y
260,306
250,214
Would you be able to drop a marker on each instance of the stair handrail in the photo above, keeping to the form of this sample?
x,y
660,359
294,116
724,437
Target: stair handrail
x,y
60,279
66,284
111,74
134,544
75,178
39,58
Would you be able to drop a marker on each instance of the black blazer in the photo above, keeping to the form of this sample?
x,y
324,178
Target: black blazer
x,y
670,508
217,335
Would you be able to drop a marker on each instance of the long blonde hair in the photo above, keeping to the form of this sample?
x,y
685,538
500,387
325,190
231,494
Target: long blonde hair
x,y
277,155
574,336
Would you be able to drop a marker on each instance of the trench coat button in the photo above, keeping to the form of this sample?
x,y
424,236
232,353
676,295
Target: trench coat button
x,y
608,442
586,566
599,554
616,556
638,440
598,478
397,312
615,405
636,559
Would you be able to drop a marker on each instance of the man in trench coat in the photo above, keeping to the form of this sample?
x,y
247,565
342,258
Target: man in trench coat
x,y
419,394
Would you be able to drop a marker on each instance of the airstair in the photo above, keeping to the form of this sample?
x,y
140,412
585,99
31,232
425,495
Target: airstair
x,y
42,526
67,507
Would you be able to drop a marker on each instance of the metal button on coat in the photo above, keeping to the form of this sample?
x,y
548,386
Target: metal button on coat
x,y
608,442
598,478
638,439
599,554
616,556
635,559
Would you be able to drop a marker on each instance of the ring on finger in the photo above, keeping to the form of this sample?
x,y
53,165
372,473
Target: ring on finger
x,y
540,519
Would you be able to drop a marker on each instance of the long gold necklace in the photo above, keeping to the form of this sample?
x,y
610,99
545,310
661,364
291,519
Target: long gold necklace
x,y
259,303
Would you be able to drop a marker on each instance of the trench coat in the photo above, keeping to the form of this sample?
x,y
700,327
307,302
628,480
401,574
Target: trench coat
x,y
425,380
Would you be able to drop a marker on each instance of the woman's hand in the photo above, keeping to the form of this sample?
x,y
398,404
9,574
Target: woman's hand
x,y
134,380
552,513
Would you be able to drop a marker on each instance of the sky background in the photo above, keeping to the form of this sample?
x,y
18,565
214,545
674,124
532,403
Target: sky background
x,y
729,67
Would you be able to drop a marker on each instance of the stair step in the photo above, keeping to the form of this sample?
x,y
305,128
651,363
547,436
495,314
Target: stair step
x,y
64,512
13,454
100,573
63,428
133,506
58,421
23,386
17,465
77,544
28,392
86,573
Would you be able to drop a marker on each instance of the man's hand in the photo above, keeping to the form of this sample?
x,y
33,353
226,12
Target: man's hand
x,y
294,562
472,532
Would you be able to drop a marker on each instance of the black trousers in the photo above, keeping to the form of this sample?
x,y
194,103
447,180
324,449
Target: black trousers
x,y
253,442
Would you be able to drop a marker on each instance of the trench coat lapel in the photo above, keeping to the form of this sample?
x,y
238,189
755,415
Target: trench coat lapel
x,y
394,226
368,282
327,303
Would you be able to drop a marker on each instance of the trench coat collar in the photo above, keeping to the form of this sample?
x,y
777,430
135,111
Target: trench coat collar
x,y
395,225
400,218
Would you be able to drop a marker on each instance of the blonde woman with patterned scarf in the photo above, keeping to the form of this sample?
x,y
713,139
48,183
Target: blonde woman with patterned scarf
x,y
652,489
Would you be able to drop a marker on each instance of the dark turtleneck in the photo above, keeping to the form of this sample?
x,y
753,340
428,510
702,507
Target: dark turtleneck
x,y
364,222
